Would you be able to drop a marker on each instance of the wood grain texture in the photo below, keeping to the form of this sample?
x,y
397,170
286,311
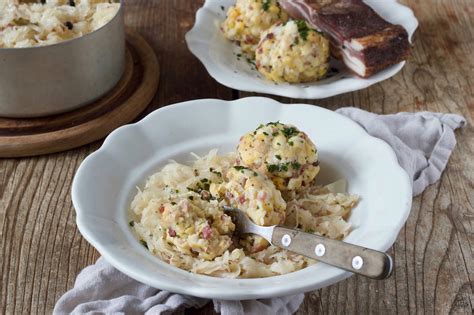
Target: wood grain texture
x,y
127,100
41,250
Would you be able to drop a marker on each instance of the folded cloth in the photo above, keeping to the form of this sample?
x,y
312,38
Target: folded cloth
x,y
102,289
422,142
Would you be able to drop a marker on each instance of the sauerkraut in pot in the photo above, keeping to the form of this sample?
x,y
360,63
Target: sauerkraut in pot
x,y
178,216
46,22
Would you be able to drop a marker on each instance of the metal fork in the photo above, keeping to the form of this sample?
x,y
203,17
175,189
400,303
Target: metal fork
x,y
353,258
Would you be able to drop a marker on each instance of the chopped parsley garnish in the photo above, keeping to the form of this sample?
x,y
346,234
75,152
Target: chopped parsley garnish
x,y
282,167
278,157
290,132
265,133
144,243
251,62
260,126
69,25
266,5
303,29
277,167
191,198
173,203
131,223
295,165
203,184
274,123
21,21
215,172
240,168
275,134
290,143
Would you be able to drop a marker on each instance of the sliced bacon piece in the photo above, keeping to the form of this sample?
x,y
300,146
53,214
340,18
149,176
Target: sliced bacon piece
x,y
359,36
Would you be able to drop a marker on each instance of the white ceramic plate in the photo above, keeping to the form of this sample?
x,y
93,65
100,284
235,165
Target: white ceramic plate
x,y
220,56
106,183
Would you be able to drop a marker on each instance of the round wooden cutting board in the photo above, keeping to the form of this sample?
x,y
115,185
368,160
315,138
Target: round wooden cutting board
x,y
130,97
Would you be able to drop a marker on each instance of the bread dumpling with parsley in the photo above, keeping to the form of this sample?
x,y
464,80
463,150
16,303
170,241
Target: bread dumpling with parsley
x,y
253,193
257,196
283,153
248,19
293,53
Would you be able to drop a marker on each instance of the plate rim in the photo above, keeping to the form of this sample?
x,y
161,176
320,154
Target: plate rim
x,y
230,79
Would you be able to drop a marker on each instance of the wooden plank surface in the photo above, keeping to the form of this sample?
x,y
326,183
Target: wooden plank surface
x,y
125,102
41,250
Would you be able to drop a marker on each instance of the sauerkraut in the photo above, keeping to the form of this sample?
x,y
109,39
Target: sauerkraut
x,y
178,216
40,23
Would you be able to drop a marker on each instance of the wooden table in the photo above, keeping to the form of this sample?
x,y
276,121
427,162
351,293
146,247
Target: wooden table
x,y
42,250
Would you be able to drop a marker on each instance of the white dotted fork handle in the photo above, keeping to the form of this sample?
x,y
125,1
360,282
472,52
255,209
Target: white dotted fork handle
x,y
353,258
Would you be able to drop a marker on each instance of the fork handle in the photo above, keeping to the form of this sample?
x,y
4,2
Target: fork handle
x,y
353,258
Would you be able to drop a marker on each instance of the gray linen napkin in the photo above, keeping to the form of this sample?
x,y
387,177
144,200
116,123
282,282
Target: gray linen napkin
x,y
100,288
423,143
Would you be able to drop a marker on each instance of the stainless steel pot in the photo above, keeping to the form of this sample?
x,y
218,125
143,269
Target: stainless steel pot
x,y
46,80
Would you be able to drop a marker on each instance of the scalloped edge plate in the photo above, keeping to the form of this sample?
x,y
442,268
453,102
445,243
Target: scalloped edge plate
x,y
106,182
220,56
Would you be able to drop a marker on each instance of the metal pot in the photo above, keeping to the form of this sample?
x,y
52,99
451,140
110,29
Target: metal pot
x,y
46,80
